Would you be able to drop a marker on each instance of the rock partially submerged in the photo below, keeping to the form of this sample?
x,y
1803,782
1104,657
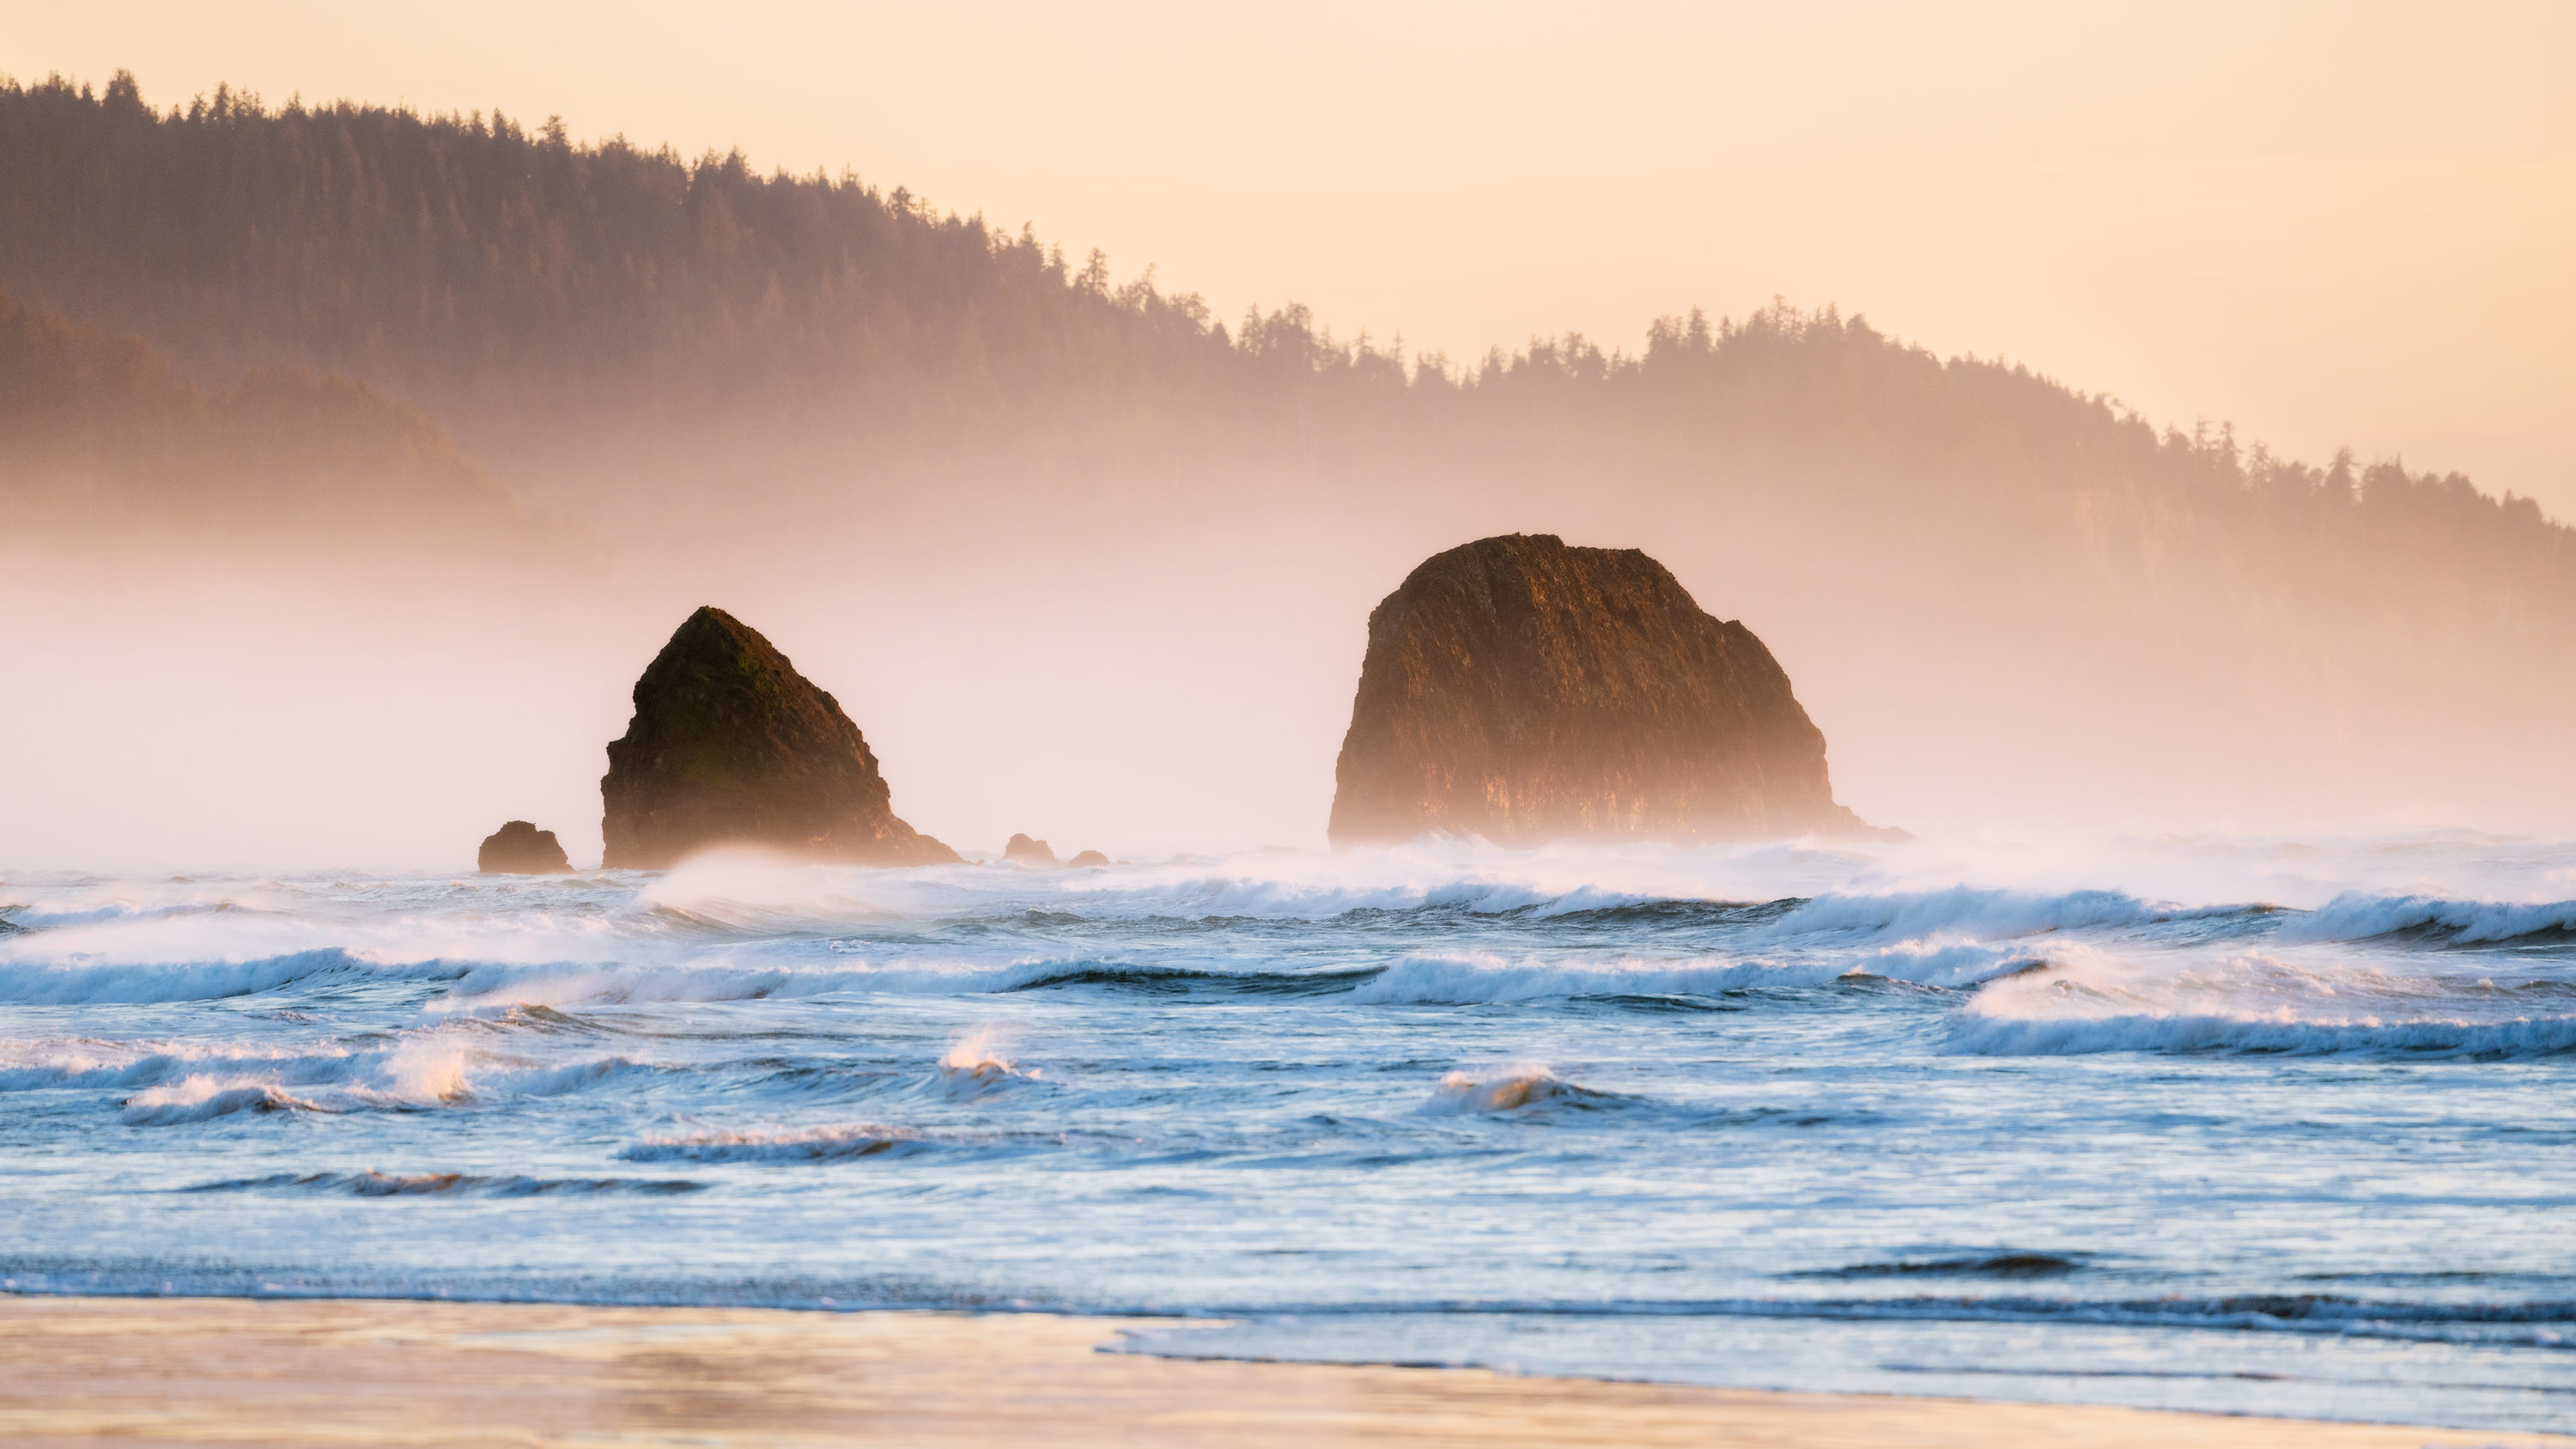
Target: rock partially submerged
x,y
1035,854
1522,691
1086,860
520,848
731,746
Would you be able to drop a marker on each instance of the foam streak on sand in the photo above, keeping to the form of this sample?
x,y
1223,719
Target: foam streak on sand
x,y
2275,1127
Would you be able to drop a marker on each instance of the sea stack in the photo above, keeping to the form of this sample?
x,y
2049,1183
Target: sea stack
x,y
520,848
731,746
1521,691
1035,854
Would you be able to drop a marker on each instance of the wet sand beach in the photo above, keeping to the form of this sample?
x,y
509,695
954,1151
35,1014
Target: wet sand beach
x,y
134,1371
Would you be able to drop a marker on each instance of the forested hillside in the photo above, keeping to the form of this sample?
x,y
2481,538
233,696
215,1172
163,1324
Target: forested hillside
x,y
485,270
1980,577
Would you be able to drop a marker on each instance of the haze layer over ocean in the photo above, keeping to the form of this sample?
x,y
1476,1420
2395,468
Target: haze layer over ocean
x,y
2227,1122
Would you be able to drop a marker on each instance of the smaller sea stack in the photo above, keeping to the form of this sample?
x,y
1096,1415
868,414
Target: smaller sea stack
x,y
1035,854
731,746
520,848
1520,691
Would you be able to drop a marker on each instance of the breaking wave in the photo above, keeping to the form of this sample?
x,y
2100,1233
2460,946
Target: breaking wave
x,y
76,982
199,1099
168,1084
2268,1003
2361,917
1515,1090
1964,913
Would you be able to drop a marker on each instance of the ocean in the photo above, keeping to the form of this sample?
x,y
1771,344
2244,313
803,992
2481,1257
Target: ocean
x,y
2258,1124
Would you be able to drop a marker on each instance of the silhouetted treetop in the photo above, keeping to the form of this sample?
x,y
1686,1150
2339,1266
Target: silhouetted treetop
x,y
457,258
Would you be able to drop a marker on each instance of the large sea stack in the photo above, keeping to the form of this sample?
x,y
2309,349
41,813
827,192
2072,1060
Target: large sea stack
x,y
1522,691
731,746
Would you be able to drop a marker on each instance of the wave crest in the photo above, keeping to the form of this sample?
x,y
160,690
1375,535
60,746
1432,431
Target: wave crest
x,y
2356,916
200,1099
1519,1089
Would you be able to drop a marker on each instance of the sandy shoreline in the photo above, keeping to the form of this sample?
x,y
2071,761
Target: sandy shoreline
x,y
158,1371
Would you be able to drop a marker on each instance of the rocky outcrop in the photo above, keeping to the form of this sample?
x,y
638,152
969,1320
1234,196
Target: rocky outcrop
x,y
731,746
520,848
1522,691
1035,854
1086,860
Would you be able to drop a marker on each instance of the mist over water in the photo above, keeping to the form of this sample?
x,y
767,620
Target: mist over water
x,y
2240,1122
1148,681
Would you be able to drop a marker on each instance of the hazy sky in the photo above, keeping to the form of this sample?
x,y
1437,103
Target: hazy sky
x,y
2332,223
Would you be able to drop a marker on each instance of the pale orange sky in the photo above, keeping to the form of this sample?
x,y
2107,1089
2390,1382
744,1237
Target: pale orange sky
x,y
2331,223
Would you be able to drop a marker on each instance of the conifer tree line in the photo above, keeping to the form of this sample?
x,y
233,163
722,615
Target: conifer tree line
x,y
648,322
493,274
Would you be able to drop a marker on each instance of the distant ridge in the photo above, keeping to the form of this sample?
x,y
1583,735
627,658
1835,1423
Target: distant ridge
x,y
100,438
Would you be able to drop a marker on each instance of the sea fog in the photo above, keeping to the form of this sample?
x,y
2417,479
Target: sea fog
x,y
2253,1122
1998,599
